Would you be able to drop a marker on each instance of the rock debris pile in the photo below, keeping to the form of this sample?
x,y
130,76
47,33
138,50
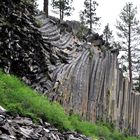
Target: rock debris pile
x,y
20,41
15,128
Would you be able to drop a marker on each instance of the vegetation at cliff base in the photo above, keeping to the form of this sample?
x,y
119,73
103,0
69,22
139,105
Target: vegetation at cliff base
x,y
17,98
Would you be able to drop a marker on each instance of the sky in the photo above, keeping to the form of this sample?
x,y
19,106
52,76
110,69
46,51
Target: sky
x,y
108,10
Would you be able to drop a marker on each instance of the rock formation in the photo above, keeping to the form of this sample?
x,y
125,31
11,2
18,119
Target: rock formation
x,y
89,81
84,79
16,127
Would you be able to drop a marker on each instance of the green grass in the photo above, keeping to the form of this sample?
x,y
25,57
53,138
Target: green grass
x,y
18,98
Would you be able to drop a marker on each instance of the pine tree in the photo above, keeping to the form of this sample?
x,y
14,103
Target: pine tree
x,y
62,7
88,15
129,33
107,34
46,7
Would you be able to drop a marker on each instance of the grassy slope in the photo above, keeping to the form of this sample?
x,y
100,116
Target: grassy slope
x,y
16,97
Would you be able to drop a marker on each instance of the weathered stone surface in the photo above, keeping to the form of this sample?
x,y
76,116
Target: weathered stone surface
x,y
90,83
14,128
79,75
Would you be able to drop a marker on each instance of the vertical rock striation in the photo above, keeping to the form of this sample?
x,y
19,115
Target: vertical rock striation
x,y
89,82
80,76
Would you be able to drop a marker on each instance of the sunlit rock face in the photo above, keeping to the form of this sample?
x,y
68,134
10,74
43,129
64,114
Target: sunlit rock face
x,y
83,77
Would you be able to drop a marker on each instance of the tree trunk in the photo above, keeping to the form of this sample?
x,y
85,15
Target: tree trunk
x,y
129,49
46,7
60,10
90,16
106,38
129,58
62,14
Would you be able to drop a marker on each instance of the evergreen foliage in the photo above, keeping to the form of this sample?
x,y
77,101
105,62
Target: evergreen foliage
x,y
62,7
129,34
88,15
107,34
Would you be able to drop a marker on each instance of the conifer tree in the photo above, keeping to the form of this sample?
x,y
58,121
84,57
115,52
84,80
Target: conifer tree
x,y
107,34
129,35
62,7
88,15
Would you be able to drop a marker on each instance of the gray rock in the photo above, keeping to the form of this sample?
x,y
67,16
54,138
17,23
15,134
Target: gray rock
x,y
13,128
84,79
2,119
2,110
71,137
25,121
5,137
26,132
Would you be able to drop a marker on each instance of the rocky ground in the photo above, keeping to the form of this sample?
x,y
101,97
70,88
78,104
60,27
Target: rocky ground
x,y
23,128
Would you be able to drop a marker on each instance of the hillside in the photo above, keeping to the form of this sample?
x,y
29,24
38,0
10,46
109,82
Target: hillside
x,y
18,99
83,77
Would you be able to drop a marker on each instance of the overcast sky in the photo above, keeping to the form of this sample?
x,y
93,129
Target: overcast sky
x,y
108,10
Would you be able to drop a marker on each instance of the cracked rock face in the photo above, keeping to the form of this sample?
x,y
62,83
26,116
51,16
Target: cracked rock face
x,y
14,128
21,43
88,81
79,75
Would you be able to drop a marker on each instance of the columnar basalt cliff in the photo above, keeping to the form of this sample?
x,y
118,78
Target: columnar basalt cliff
x,y
88,81
85,79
